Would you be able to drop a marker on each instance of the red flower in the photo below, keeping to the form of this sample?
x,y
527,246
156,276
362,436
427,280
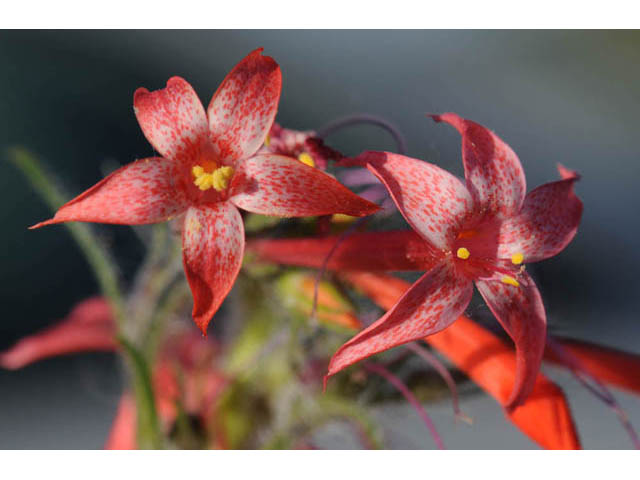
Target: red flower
x,y
208,169
184,373
545,417
89,327
483,232
306,146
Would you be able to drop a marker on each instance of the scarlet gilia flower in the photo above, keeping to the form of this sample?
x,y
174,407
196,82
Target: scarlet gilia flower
x,y
184,376
89,327
207,170
483,232
306,146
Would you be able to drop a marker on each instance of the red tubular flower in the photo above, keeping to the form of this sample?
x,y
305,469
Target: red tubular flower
x,y
184,373
122,435
608,365
209,168
545,417
480,233
89,327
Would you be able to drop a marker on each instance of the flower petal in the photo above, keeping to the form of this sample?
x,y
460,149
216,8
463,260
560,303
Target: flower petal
x,y
545,417
141,192
401,250
244,106
172,119
275,185
213,245
493,171
546,224
88,328
122,435
521,313
434,202
430,305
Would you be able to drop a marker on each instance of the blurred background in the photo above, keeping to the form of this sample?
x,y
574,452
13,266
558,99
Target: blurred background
x,y
554,96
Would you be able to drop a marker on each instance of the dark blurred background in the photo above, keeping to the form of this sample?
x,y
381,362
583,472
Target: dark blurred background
x,y
554,96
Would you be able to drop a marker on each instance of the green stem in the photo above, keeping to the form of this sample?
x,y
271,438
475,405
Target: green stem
x,y
102,265
149,435
98,258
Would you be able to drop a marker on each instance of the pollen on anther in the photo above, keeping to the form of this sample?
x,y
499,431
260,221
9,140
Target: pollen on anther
x,y
510,281
306,159
517,258
463,253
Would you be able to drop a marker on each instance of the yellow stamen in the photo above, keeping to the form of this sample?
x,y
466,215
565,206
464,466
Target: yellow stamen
x,y
306,159
218,179
267,140
463,253
510,281
517,258
342,218
221,178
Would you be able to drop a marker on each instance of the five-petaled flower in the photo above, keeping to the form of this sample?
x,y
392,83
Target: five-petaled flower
x,y
483,232
208,167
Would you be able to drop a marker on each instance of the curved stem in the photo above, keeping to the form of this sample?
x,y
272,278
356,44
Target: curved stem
x,y
410,397
365,118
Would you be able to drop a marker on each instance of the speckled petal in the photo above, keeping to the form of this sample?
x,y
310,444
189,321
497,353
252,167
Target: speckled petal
x,y
430,305
434,202
172,119
402,250
545,417
244,106
546,224
141,192
493,171
213,245
282,186
521,313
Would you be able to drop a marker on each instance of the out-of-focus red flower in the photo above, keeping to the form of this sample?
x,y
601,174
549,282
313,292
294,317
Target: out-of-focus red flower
x,y
306,146
185,374
610,366
545,416
89,327
209,167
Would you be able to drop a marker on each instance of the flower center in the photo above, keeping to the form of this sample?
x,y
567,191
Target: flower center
x,y
481,267
212,177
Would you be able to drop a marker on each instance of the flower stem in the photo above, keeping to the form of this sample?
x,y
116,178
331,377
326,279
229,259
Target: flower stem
x,y
100,261
149,435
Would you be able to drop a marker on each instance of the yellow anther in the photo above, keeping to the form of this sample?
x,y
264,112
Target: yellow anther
x,y
342,218
218,179
517,258
306,159
463,253
221,177
510,281
267,140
